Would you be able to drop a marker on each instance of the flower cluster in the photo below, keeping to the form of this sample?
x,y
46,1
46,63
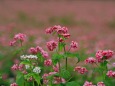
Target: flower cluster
x,y
74,44
91,84
80,70
48,62
37,50
13,84
111,73
51,45
37,70
17,67
103,55
90,60
18,37
24,57
63,31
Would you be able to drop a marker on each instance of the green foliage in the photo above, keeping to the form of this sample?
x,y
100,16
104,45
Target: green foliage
x,y
72,83
65,73
20,79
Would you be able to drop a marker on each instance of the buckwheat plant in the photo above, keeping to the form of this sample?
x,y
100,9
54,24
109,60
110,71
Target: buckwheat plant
x,y
39,68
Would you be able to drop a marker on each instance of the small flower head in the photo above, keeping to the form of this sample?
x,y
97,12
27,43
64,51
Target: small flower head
x,y
51,45
13,84
37,70
58,80
48,62
45,54
100,84
56,68
14,67
20,37
88,84
74,44
110,73
80,70
90,60
12,43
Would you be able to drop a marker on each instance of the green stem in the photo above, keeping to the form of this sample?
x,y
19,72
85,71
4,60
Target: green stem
x,y
33,83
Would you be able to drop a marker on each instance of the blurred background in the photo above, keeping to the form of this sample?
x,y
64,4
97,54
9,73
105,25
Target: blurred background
x,y
91,23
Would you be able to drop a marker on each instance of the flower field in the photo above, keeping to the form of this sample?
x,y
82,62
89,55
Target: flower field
x,y
57,43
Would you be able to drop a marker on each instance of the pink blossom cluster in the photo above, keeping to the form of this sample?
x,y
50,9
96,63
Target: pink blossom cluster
x,y
100,84
20,36
103,54
90,60
56,68
88,84
74,44
48,62
13,84
80,70
60,30
91,84
111,73
20,67
37,50
56,80
51,45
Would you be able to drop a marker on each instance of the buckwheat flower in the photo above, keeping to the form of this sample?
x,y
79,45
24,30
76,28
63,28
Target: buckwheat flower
x,y
48,62
45,54
56,68
27,66
13,84
56,27
90,60
88,84
80,70
51,45
107,53
103,54
58,80
21,67
99,55
39,49
60,40
20,36
33,50
37,70
14,67
24,72
100,84
52,73
49,30
24,57
111,73
74,44
66,35
45,80
12,43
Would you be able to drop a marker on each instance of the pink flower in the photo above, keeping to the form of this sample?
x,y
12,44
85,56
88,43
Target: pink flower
x,y
74,44
24,72
100,84
56,68
21,67
58,80
13,84
51,45
52,73
45,80
80,70
12,43
48,62
33,50
49,30
105,54
20,37
66,35
88,84
14,67
45,54
111,73
90,60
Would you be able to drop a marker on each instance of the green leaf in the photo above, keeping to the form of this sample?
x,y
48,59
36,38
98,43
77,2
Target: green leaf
x,y
72,83
26,62
65,73
20,79
37,78
39,55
